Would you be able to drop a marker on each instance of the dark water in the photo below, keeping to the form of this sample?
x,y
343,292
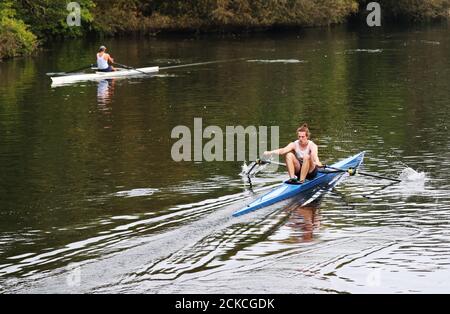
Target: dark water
x,y
91,200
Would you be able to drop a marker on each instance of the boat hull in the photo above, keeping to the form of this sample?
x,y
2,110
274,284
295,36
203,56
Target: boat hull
x,y
324,180
61,80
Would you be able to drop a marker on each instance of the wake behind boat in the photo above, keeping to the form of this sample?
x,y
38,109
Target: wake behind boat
x,y
324,180
68,79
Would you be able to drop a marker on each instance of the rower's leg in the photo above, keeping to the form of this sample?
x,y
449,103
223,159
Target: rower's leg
x,y
293,165
306,167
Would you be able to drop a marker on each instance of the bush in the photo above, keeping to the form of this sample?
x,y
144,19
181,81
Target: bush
x,y
116,16
413,10
15,38
48,18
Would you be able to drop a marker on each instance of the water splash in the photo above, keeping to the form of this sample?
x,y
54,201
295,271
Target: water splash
x,y
413,183
136,193
411,175
364,50
285,61
251,171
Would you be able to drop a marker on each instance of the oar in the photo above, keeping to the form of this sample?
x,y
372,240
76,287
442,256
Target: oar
x,y
379,190
76,70
199,63
131,68
263,162
255,163
353,171
260,162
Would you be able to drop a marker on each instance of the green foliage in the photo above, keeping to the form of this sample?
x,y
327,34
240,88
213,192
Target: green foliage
x,y
421,10
15,38
287,12
49,17
114,16
414,10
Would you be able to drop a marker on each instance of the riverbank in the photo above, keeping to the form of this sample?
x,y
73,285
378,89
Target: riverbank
x,y
24,27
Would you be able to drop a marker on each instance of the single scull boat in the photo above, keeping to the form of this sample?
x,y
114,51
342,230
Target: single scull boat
x,y
67,79
326,180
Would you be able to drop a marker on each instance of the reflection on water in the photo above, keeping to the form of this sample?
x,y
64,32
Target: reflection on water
x,y
305,219
105,91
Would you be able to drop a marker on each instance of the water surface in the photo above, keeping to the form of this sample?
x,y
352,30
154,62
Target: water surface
x,y
91,201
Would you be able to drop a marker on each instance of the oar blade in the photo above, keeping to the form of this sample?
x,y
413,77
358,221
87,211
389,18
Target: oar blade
x,y
249,170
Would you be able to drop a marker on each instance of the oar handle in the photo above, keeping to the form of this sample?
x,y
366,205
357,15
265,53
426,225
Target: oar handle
x,y
264,162
131,68
124,66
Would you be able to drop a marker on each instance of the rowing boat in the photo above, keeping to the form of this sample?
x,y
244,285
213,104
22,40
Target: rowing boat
x,y
67,79
324,180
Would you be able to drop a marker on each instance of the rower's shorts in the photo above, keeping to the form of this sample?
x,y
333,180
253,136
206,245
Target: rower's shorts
x,y
108,69
310,175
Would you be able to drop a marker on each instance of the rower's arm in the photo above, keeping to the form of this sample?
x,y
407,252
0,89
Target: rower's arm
x,y
110,59
315,155
281,151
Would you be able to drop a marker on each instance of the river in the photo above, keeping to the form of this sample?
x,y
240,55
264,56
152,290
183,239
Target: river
x,y
91,200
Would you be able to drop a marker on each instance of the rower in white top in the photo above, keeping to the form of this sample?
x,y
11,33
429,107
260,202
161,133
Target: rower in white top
x,y
104,61
302,158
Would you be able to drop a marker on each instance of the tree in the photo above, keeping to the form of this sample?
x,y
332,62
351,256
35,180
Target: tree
x,y
15,38
48,18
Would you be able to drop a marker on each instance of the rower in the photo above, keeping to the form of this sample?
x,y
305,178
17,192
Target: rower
x,y
302,158
104,60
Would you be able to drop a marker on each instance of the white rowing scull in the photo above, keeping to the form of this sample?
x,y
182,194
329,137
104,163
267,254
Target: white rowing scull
x,y
67,79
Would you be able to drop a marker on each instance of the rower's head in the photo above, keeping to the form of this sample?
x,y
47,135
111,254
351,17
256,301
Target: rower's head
x,y
102,49
303,134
